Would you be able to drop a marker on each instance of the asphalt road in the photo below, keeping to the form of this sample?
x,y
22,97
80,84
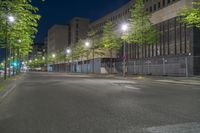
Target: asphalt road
x,y
60,103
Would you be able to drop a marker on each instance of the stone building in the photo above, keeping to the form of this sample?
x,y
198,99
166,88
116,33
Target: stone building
x,y
57,38
78,28
177,51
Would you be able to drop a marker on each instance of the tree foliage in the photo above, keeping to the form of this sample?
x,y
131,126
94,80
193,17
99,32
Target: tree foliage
x,y
25,26
110,40
191,16
79,51
141,30
95,41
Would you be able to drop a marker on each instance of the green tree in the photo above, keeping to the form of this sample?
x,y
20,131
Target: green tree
x,y
141,30
110,40
24,28
191,16
94,40
79,52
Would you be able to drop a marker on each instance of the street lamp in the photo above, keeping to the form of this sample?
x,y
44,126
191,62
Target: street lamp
x,y
9,19
87,45
124,29
67,52
19,40
53,55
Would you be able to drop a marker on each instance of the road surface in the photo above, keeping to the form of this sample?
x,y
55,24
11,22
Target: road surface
x,y
61,103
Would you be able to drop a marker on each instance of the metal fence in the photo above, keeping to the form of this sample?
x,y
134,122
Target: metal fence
x,y
172,66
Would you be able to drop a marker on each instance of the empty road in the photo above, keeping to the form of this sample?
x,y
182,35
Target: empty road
x,y
61,103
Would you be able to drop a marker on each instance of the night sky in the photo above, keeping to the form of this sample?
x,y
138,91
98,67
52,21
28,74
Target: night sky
x,y
61,11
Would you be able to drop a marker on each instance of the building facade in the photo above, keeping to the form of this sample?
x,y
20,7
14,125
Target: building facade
x,y
57,38
176,53
177,49
78,28
39,49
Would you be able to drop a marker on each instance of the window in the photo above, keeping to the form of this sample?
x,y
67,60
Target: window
x,y
77,26
154,7
163,2
150,8
158,5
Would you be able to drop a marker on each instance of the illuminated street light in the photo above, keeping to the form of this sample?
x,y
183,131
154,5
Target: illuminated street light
x,y
68,51
19,40
53,55
124,29
30,61
43,58
11,19
87,44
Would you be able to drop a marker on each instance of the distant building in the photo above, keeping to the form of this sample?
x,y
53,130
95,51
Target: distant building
x,y
39,49
57,38
78,28
63,36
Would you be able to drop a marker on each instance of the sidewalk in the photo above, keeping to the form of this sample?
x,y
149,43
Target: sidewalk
x,y
164,79
169,79
8,86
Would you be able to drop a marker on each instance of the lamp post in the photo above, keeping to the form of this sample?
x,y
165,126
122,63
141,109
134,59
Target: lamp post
x,y
124,29
187,65
17,58
54,56
9,19
68,52
87,45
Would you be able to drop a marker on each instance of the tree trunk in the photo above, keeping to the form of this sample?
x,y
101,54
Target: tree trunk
x,y
18,64
9,62
93,60
81,63
13,62
111,56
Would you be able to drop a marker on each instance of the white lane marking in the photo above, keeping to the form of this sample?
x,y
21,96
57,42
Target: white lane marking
x,y
132,87
169,81
179,82
192,127
123,82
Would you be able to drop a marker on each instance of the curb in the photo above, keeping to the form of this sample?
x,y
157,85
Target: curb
x,y
141,78
177,82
